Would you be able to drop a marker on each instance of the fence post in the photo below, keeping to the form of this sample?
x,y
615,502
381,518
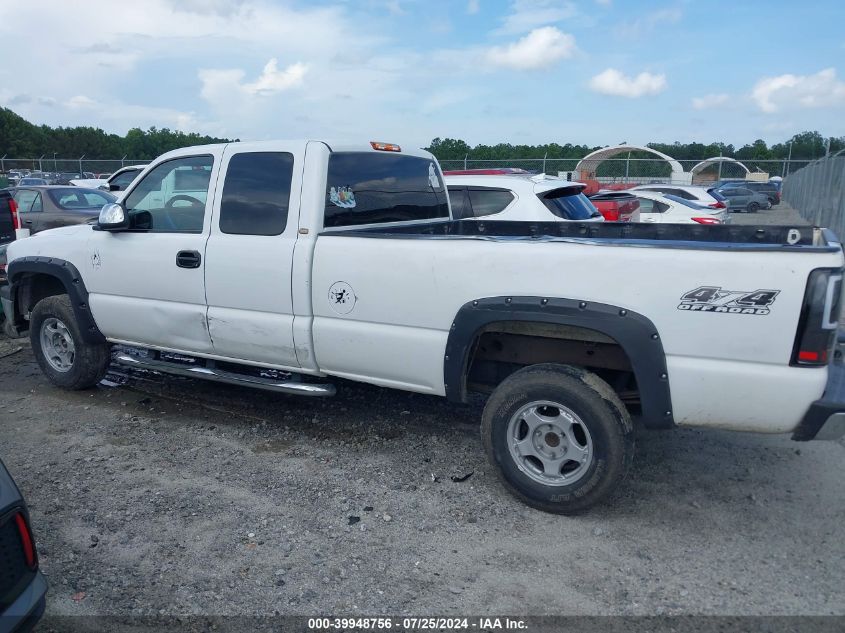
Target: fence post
x,y
80,165
3,163
40,167
465,161
544,162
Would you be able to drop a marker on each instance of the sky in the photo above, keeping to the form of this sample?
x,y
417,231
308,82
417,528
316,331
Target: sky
x,y
598,72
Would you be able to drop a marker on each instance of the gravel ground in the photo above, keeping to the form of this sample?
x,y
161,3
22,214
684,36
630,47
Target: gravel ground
x,y
154,495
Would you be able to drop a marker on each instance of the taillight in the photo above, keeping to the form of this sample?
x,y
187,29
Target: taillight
x,y
13,207
718,205
707,220
611,214
26,541
819,318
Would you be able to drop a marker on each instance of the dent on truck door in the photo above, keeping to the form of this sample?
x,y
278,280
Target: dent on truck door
x,y
249,254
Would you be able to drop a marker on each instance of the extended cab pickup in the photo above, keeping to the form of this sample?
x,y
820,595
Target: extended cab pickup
x,y
319,260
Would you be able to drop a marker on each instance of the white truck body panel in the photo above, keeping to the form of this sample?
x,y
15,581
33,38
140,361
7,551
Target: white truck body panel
x,y
265,300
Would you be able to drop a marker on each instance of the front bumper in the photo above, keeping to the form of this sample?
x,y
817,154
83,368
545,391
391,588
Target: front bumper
x,y
23,614
825,419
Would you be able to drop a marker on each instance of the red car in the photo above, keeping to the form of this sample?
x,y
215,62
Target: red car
x,y
617,206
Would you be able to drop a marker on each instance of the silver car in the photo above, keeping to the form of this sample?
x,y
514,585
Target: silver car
x,y
742,199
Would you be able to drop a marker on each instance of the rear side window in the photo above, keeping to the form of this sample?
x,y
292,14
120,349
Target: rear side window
x,y
569,206
256,193
375,187
489,201
460,203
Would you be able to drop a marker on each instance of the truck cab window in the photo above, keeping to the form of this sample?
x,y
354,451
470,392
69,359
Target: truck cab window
x,y
171,198
378,187
256,193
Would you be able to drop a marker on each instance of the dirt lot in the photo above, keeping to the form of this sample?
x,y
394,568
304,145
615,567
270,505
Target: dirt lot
x,y
154,495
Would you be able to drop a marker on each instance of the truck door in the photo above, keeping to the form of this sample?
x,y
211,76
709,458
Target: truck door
x,y
249,256
146,284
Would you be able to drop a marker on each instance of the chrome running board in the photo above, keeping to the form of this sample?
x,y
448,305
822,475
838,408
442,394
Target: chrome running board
x,y
212,373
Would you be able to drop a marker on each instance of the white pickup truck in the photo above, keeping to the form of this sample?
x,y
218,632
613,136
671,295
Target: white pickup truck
x,y
282,265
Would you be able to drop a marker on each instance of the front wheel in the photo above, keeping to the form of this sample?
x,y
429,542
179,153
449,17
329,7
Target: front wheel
x,y
559,437
64,357
753,207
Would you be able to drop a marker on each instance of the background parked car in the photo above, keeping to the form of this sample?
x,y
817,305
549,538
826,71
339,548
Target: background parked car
x,y
770,190
123,177
519,198
687,192
28,181
22,586
617,206
51,206
742,199
666,208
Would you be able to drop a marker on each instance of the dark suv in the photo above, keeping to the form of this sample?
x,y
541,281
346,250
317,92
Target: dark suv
x,y
769,189
22,586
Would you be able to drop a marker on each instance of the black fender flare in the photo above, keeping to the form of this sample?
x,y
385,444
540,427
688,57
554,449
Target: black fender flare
x,y
635,333
66,273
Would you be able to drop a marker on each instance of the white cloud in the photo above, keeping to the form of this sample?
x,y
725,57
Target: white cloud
x,y
647,23
80,101
273,80
473,6
613,82
799,91
710,101
227,85
540,48
526,15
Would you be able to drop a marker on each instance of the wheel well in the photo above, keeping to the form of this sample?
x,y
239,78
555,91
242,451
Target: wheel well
x,y
501,348
34,287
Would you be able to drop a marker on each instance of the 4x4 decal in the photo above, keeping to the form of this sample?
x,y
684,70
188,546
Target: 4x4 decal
x,y
715,299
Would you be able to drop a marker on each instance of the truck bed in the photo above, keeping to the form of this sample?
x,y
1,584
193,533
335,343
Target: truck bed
x,y
686,236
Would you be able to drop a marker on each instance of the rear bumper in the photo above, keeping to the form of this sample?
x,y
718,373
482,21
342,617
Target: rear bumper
x,y
825,419
23,614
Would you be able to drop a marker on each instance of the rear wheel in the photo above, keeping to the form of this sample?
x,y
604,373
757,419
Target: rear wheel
x,y
64,357
559,437
753,207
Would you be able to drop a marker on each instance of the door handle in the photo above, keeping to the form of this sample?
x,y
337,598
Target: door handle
x,y
188,259
27,221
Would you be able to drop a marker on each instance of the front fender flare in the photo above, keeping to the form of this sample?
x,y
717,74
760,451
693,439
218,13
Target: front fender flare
x,y
70,278
634,332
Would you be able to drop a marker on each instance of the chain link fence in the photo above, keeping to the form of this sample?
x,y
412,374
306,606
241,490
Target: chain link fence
x,y
817,192
53,165
634,170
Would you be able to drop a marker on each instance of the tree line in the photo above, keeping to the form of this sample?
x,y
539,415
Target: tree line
x,y
21,139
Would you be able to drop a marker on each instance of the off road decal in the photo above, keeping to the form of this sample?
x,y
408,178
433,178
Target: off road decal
x,y
715,299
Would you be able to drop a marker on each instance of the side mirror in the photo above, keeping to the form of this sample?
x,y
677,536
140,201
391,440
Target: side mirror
x,y
113,218
114,187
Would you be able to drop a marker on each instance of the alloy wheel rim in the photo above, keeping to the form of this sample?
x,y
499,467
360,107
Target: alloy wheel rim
x,y
57,345
550,443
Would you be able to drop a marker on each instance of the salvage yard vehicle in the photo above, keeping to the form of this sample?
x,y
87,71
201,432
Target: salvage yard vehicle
x,y
742,199
665,208
22,585
519,198
51,206
323,261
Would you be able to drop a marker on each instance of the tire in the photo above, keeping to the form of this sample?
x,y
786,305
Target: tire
x,y
68,361
558,396
753,207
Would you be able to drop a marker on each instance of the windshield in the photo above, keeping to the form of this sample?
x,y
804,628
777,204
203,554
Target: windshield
x,y
72,198
568,205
